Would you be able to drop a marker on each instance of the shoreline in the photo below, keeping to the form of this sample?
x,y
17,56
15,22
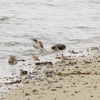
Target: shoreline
x,y
67,81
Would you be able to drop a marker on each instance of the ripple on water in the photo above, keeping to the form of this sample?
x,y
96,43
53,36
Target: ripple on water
x,y
71,22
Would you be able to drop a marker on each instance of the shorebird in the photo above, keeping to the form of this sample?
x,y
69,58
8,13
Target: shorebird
x,y
39,44
35,58
12,60
40,50
40,47
64,58
56,49
36,47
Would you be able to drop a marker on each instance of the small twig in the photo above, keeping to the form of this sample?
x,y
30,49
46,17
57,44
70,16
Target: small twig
x,y
18,81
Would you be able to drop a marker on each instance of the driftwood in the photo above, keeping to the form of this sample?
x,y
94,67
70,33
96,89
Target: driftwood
x,y
44,63
76,73
81,74
17,81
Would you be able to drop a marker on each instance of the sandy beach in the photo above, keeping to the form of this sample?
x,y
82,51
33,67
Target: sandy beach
x,y
73,79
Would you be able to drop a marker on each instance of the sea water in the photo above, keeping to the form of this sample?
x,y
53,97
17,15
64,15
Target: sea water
x,y
75,23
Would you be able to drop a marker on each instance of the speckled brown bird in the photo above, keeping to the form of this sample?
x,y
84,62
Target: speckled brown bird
x,y
39,45
36,47
63,57
56,49
35,58
12,60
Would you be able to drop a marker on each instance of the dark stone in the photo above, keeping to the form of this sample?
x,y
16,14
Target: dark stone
x,y
23,72
59,46
76,67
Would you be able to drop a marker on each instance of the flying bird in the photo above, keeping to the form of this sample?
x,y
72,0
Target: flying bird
x,y
41,44
35,40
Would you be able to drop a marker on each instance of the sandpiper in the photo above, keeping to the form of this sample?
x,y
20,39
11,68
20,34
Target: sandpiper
x,y
12,60
36,47
39,46
35,58
64,57
56,49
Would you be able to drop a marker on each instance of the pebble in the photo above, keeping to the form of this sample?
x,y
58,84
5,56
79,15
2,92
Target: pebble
x,y
72,94
48,75
53,90
91,95
76,92
71,76
55,81
76,66
27,94
59,87
64,91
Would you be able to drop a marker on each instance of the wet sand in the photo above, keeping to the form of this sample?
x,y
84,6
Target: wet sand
x,y
73,79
